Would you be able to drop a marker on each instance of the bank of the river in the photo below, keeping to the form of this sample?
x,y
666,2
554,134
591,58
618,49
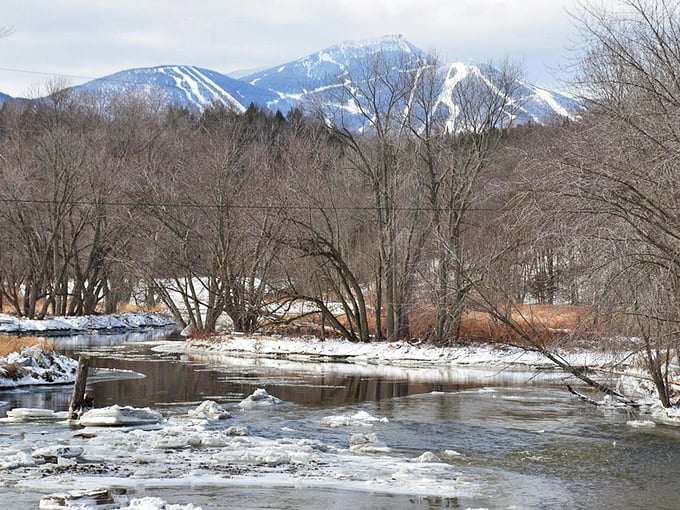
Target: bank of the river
x,y
11,325
402,353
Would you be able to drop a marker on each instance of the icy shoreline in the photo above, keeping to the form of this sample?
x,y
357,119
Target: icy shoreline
x,y
403,354
11,325
35,366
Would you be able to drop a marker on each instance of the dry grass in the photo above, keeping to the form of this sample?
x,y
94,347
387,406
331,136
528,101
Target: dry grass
x,y
13,371
134,308
10,344
543,324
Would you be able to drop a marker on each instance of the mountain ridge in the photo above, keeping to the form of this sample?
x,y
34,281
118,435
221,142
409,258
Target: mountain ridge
x,y
289,85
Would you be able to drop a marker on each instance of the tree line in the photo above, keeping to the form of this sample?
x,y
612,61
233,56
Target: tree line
x,y
388,212
243,214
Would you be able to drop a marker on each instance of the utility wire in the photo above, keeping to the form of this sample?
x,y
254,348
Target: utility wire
x,y
282,207
92,78
45,73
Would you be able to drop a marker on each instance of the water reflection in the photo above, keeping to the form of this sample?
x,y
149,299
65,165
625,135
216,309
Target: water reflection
x,y
177,378
174,378
72,343
42,397
171,379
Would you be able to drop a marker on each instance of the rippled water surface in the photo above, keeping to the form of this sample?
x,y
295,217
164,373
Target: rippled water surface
x,y
517,440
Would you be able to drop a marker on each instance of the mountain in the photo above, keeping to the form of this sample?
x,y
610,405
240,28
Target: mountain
x,y
528,103
181,85
307,79
319,70
304,79
4,98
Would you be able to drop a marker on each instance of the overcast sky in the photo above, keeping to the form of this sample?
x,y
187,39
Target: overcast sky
x,y
78,40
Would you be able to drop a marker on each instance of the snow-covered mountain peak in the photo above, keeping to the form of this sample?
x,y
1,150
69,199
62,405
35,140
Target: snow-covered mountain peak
x,y
326,67
182,85
305,80
386,43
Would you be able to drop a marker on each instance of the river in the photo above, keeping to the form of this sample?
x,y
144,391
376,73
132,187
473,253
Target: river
x,y
502,439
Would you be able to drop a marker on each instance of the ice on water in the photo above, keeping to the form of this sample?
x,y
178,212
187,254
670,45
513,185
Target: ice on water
x,y
204,445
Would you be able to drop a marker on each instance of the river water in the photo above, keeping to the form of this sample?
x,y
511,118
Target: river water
x,y
505,439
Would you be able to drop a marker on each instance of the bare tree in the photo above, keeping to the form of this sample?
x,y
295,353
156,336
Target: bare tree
x,y
211,239
328,238
372,123
456,134
56,207
610,180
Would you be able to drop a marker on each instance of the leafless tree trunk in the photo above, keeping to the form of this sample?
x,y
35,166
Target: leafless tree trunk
x,y
453,149
374,137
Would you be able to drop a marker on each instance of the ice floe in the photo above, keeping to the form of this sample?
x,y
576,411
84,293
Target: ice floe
x,y
105,499
209,410
16,460
367,443
196,446
427,457
359,418
641,423
116,415
259,398
29,414
157,504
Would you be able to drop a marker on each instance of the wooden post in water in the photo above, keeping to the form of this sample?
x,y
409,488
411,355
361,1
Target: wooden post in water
x,y
79,387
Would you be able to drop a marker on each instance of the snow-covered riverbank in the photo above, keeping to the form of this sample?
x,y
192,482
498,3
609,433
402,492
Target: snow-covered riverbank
x,y
397,353
9,324
35,366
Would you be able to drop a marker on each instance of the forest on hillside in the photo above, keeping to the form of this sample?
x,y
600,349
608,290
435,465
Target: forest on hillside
x,y
394,229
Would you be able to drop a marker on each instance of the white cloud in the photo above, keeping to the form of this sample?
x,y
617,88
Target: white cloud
x,y
90,39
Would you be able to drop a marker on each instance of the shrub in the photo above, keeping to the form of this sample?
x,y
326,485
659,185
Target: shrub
x,y
14,371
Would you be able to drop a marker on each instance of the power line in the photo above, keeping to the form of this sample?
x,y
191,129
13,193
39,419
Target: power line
x,y
45,73
92,78
281,207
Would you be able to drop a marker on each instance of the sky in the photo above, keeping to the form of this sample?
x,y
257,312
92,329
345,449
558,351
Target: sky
x,y
68,42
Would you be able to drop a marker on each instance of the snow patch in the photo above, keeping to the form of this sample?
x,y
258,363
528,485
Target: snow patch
x,y
11,324
259,398
209,410
546,96
360,418
402,353
119,416
33,365
669,416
